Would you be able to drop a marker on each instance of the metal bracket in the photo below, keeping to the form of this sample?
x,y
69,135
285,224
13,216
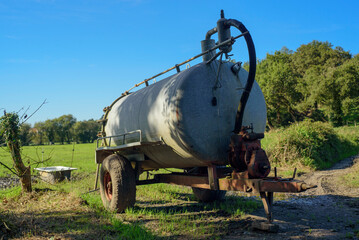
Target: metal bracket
x,y
97,173
138,170
267,199
212,177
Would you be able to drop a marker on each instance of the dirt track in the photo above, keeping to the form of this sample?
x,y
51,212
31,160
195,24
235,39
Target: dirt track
x,y
330,211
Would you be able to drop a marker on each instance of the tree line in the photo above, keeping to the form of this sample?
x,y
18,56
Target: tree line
x,y
64,129
316,81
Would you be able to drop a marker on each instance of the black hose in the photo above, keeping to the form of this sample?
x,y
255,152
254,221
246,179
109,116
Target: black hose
x,y
251,75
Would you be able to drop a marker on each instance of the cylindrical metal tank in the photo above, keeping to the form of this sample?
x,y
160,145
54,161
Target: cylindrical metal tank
x,y
181,112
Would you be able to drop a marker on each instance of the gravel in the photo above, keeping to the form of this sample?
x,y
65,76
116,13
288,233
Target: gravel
x,y
8,182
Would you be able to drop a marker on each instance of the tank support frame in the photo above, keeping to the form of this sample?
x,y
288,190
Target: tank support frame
x,y
215,178
219,179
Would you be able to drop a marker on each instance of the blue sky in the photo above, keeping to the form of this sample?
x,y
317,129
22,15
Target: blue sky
x,y
81,55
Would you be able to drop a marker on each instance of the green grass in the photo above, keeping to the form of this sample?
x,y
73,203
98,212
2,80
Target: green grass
x,y
10,193
46,214
60,155
349,136
314,145
161,210
352,179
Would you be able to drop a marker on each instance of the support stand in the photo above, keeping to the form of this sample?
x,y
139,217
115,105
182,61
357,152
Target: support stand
x,y
267,200
269,226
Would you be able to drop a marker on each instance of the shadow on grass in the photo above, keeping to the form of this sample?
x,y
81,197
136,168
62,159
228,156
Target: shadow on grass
x,y
231,205
67,224
189,219
68,218
174,198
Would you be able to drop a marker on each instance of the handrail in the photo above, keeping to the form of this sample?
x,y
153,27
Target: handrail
x,y
120,135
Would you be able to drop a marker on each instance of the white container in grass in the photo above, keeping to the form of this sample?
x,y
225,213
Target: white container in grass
x,y
55,173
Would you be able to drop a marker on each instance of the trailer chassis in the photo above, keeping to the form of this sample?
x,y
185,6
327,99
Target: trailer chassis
x,y
219,179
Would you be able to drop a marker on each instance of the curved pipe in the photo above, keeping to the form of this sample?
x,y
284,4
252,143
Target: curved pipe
x,y
210,33
251,75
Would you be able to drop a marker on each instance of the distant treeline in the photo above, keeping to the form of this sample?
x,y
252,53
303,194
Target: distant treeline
x,y
315,82
64,129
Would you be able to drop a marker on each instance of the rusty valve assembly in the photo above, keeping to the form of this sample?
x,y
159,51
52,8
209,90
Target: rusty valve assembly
x,y
246,154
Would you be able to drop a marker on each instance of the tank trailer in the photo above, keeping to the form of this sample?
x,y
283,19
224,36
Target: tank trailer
x,y
207,121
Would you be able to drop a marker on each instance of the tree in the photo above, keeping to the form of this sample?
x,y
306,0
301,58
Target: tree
x,y
65,123
49,129
317,82
277,79
318,53
86,131
62,126
10,129
25,134
343,98
314,64
39,133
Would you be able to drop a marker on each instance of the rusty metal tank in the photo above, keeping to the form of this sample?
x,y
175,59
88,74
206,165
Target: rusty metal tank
x,y
191,113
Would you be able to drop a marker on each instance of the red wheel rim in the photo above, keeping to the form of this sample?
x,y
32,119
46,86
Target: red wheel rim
x,y
108,185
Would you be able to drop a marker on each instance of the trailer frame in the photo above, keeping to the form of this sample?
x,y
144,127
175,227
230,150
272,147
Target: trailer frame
x,y
221,178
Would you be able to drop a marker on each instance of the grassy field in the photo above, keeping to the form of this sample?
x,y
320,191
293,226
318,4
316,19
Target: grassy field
x,y
60,155
68,210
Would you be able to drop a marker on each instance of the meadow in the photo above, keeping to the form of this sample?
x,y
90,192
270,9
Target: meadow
x,y
72,210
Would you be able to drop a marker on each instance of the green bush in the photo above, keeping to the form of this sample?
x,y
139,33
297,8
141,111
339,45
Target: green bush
x,y
314,144
349,136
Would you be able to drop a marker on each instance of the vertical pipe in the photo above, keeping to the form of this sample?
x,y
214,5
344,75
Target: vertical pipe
x,y
206,45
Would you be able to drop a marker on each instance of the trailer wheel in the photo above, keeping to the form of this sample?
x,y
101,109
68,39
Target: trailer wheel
x,y
207,195
117,183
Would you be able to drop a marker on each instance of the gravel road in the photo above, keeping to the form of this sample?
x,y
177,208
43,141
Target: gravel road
x,y
330,211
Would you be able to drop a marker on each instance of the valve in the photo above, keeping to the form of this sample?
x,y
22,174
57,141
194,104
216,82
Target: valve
x,y
246,154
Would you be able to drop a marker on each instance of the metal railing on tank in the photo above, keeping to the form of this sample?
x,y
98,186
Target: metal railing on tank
x,y
123,136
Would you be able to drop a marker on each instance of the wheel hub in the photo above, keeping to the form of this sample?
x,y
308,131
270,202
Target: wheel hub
x,y
108,185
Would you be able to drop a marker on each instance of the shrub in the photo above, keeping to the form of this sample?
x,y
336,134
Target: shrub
x,y
314,144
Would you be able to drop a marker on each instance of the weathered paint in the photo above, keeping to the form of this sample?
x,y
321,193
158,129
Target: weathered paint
x,y
178,110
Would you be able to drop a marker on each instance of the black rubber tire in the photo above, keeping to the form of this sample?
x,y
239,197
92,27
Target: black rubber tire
x,y
121,193
206,195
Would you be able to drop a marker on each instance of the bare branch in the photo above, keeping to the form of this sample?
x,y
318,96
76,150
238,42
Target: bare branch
x,y
24,114
38,161
44,102
10,169
19,110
